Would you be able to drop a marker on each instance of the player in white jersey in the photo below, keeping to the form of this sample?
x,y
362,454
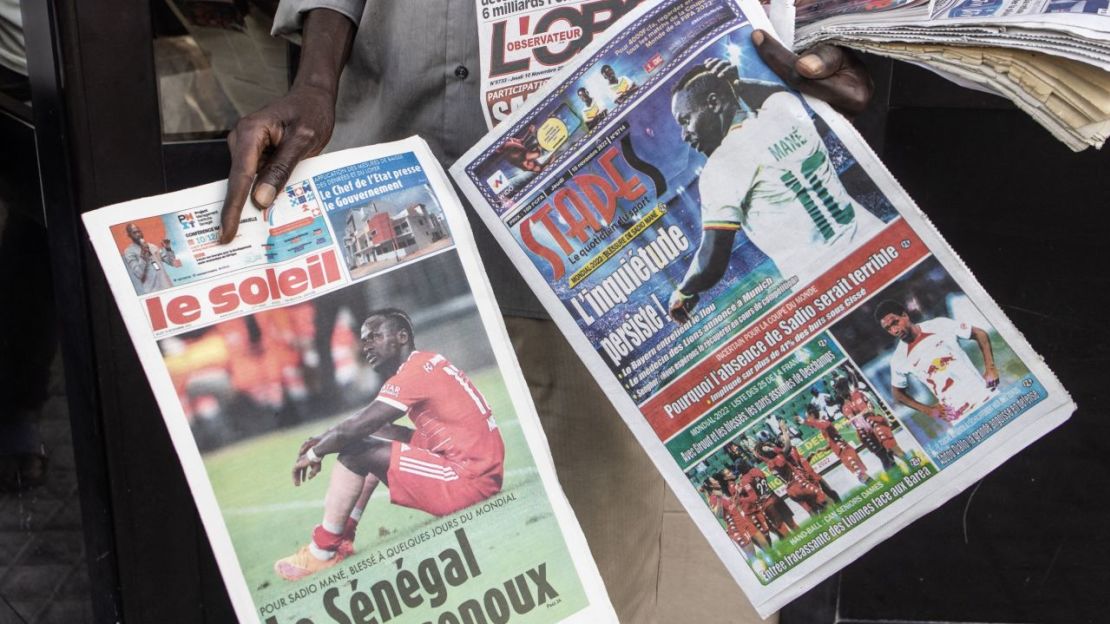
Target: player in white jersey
x,y
769,174
827,407
930,352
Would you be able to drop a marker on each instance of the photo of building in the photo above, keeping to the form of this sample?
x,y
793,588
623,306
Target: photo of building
x,y
385,231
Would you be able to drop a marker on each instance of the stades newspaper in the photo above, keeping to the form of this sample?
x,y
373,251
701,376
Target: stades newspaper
x,y
253,347
807,362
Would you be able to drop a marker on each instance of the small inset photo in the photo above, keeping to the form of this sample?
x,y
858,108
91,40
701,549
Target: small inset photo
x,y
933,355
383,212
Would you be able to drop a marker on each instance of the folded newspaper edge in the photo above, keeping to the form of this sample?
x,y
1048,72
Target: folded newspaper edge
x,y
582,596
504,203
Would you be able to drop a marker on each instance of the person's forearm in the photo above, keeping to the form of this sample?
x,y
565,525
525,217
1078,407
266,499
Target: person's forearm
x,y
141,268
904,398
342,434
325,46
984,342
367,421
710,262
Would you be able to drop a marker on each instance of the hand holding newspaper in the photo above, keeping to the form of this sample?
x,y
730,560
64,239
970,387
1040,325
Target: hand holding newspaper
x,y
803,357
414,487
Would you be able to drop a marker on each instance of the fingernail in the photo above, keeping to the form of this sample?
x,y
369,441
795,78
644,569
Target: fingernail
x,y
264,194
757,37
811,64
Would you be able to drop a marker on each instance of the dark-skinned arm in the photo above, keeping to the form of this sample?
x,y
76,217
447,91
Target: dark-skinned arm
x,y
369,420
707,269
983,339
376,417
268,144
904,398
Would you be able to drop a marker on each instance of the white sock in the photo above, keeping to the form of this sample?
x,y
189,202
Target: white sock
x,y
356,514
320,553
334,528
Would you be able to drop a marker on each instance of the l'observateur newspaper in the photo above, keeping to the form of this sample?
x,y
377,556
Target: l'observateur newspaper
x,y
807,362
523,43
351,319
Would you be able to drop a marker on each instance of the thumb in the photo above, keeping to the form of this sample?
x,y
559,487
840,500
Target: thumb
x,y
820,62
274,174
777,57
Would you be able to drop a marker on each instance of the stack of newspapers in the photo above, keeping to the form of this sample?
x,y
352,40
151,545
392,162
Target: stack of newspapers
x,y
1050,57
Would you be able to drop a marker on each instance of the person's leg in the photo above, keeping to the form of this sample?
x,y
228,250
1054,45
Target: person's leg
x,y
345,487
369,484
351,524
615,491
28,341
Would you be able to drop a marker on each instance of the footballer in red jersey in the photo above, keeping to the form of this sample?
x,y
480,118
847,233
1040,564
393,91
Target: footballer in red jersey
x,y
745,501
739,528
776,513
451,459
836,443
800,485
870,423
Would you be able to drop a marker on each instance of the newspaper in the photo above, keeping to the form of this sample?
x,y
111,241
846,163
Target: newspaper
x,y
809,12
525,42
806,361
1065,11
1045,39
254,346
1070,99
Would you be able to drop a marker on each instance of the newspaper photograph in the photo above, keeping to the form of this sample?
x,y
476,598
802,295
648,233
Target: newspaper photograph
x,y
344,399
954,9
523,43
806,361
809,11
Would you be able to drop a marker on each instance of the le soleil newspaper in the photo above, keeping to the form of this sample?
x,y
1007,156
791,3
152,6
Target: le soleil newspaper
x,y
253,347
834,370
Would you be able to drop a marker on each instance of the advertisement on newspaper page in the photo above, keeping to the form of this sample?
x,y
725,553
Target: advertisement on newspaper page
x,y
523,43
806,361
341,392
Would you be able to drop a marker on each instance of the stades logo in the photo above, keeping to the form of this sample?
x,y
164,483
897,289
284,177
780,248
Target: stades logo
x,y
585,20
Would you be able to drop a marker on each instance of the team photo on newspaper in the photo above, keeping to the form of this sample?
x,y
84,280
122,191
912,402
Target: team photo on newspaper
x,y
806,362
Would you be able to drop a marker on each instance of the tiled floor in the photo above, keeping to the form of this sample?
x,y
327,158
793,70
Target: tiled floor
x,y
43,576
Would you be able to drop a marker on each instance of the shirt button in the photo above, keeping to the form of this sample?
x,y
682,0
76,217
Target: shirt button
x,y
461,72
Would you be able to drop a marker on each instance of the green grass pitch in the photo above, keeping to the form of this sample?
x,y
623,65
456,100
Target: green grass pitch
x,y
268,518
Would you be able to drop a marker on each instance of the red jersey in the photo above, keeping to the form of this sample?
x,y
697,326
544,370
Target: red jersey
x,y
757,481
743,496
827,429
739,528
856,408
779,464
450,416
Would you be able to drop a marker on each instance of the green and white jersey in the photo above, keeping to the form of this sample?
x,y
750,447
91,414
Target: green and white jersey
x,y
772,177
